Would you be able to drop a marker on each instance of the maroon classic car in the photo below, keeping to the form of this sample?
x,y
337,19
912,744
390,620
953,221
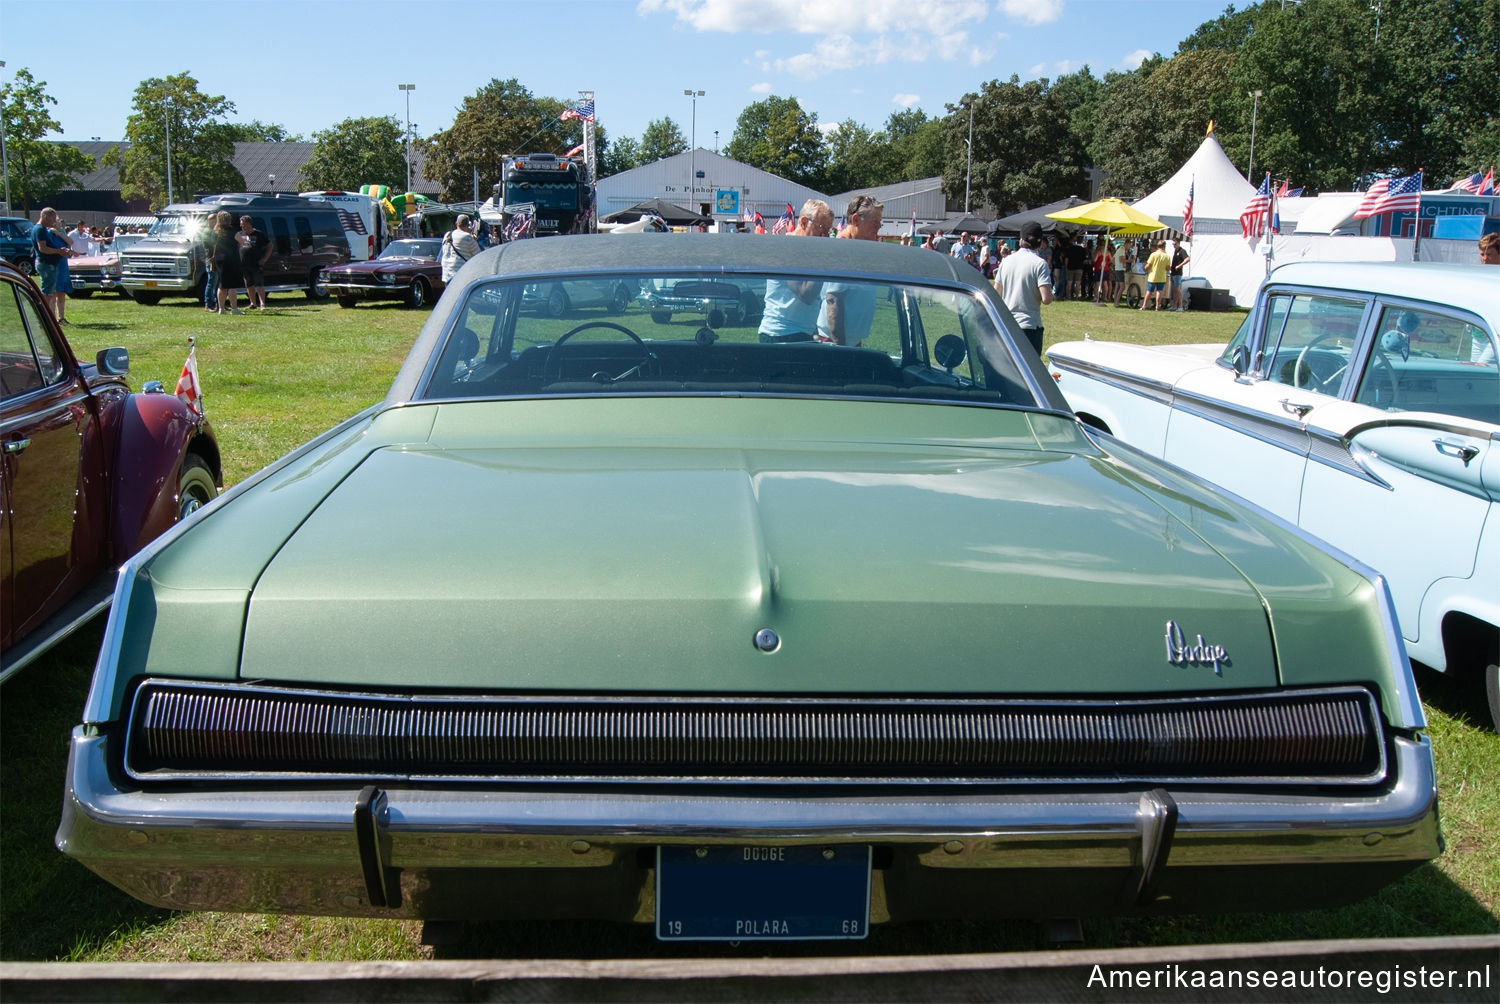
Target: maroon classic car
x,y
89,474
406,270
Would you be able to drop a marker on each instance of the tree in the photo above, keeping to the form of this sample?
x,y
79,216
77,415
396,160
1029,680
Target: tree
x,y
1153,119
256,131
661,139
917,145
776,135
1439,63
1023,153
39,168
1082,95
620,155
501,118
202,144
355,152
857,158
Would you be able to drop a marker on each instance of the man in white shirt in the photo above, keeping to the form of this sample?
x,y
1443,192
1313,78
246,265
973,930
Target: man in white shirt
x,y
81,241
1024,281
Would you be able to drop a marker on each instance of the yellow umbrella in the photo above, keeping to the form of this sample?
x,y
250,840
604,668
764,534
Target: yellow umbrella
x,y
1111,213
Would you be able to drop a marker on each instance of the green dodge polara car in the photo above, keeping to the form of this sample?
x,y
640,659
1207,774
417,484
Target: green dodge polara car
x,y
771,630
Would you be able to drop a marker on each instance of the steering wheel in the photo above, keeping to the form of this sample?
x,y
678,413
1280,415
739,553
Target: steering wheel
x,y
549,373
1306,375
1378,356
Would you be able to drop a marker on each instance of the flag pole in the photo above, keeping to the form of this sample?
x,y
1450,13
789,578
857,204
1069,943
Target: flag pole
x,y
1416,244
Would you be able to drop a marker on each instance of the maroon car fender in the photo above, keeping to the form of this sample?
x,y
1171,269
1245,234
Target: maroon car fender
x,y
156,433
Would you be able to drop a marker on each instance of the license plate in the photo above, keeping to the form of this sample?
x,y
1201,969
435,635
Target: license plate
x,y
150,283
716,892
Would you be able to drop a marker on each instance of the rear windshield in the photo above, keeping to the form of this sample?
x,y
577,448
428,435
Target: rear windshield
x,y
695,334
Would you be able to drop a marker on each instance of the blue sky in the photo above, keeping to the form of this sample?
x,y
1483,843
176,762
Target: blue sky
x,y
309,65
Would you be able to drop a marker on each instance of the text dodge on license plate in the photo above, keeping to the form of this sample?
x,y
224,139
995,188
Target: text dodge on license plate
x,y
718,892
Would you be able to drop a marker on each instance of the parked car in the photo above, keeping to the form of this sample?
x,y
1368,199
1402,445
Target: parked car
x,y
740,305
89,472
91,273
745,640
306,236
406,270
556,298
15,242
1360,402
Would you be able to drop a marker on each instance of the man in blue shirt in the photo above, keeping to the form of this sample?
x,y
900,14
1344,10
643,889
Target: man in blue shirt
x,y
52,252
791,313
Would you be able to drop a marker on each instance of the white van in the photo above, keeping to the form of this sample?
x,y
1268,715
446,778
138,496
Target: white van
x,y
364,221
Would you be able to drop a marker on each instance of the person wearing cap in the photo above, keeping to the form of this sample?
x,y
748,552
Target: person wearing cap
x,y
1024,281
459,246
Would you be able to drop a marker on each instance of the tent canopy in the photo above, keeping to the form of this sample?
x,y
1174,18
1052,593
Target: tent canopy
x,y
1013,223
1220,192
962,223
673,216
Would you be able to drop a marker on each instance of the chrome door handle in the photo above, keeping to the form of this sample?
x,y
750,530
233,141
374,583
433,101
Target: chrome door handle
x,y
1465,453
16,445
1295,408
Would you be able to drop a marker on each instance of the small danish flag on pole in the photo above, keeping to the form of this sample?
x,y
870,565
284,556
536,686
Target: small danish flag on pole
x,y
187,384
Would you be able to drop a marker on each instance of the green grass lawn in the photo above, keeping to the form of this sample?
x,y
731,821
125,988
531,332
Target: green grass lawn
x,y
272,381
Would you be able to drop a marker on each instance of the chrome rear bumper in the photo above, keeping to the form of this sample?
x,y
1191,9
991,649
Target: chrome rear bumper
x,y
453,853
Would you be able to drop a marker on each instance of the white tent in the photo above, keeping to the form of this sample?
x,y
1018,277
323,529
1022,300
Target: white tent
x,y
1220,192
1328,212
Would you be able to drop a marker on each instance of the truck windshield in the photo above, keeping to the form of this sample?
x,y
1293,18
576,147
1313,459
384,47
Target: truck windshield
x,y
176,226
547,193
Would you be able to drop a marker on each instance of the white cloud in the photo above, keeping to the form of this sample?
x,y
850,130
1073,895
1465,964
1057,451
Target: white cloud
x,y
1038,70
850,33
1063,66
822,18
761,88
1133,61
1032,11
906,100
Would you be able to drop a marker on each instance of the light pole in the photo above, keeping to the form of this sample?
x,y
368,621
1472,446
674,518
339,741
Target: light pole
x,y
1254,107
4,160
169,149
969,168
716,141
693,152
408,88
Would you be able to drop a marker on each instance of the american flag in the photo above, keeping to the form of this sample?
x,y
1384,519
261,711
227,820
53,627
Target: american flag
x,y
787,221
1471,184
1253,218
583,111
1187,213
1390,195
187,384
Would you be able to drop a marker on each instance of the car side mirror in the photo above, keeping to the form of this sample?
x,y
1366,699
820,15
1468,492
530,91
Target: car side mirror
x,y
1239,359
950,352
113,361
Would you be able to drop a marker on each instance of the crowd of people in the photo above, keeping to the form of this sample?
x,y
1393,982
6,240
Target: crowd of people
x,y
1046,268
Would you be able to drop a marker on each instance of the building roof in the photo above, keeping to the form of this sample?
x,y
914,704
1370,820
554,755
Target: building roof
x,y
255,161
667,179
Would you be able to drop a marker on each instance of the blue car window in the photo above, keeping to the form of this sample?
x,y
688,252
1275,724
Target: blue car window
x,y
1425,360
697,334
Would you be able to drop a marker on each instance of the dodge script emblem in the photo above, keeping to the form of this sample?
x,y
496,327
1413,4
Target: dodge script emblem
x,y
1180,653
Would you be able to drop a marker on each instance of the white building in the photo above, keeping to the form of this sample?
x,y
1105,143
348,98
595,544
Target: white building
x,y
725,188
731,191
